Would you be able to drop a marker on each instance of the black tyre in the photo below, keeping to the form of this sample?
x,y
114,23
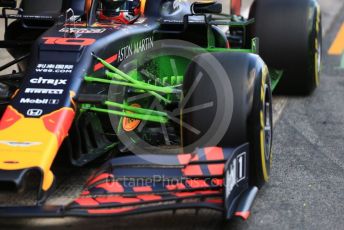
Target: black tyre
x,y
290,39
251,118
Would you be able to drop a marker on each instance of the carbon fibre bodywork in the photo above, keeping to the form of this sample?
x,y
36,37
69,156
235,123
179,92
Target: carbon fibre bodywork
x,y
44,117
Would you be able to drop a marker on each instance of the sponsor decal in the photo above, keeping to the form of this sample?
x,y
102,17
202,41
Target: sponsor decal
x,y
69,41
83,30
46,81
34,112
235,173
176,21
38,101
43,91
54,68
135,48
53,101
20,143
130,124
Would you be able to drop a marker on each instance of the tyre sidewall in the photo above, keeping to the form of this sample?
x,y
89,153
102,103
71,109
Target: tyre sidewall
x,y
260,151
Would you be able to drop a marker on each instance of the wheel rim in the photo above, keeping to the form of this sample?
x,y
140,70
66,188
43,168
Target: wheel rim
x,y
267,123
318,60
318,49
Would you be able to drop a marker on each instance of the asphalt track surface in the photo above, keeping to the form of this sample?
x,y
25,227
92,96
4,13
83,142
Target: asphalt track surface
x,y
307,177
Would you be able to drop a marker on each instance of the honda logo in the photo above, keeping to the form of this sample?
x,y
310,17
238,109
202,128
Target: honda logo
x,y
34,112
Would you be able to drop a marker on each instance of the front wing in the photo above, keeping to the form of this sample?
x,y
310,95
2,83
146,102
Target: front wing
x,y
211,178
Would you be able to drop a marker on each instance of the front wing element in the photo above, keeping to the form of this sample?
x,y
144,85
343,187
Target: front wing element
x,y
211,178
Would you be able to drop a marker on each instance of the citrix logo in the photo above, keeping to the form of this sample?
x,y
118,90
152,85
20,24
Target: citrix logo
x,y
54,82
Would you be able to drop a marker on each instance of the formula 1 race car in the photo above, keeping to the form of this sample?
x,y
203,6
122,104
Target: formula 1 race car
x,y
168,110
